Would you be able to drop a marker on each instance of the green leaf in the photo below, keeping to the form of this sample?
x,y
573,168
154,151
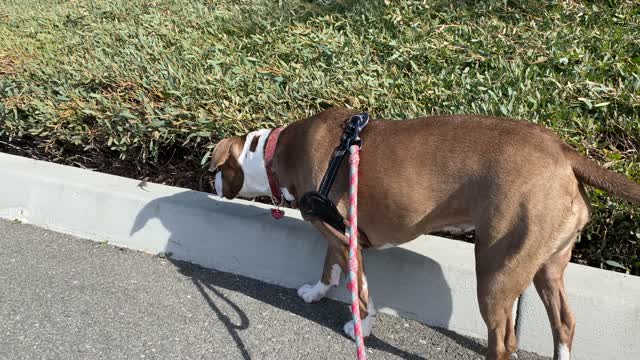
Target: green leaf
x,y
205,158
126,114
615,264
587,102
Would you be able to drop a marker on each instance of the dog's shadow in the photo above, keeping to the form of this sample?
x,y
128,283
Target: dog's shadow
x,y
328,313
197,234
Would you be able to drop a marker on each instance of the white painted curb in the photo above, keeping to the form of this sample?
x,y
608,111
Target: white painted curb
x,y
430,279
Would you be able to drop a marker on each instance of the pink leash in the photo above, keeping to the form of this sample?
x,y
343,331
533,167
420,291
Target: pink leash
x,y
354,161
356,124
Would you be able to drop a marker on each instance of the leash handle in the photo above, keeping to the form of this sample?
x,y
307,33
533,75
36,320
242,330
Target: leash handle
x,y
354,161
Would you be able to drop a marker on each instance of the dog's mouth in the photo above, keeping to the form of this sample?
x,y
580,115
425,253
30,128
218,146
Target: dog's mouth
x,y
217,183
212,177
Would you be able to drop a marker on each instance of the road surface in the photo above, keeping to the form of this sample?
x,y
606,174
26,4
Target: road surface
x,y
67,298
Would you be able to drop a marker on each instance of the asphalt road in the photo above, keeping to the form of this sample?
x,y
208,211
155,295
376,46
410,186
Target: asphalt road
x,y
68,298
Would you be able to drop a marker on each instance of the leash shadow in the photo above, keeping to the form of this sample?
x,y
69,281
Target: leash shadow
x,y
328,313
232,328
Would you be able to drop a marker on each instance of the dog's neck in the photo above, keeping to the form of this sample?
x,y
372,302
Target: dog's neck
x,y
253,164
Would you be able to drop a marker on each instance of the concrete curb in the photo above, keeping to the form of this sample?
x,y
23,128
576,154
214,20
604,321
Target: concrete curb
x,y
607,310
430,279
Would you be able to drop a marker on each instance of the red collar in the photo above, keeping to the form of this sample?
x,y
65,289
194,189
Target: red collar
x,y
269,151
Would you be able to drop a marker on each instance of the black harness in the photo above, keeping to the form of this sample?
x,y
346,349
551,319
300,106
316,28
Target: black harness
x,y
317,203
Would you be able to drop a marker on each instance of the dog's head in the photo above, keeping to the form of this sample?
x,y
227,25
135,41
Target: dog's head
x,y
239,166
227,170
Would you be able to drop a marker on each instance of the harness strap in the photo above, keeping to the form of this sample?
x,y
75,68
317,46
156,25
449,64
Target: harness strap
x,y
316,203
350,136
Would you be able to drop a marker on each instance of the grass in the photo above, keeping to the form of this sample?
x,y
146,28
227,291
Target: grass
x,y
137,78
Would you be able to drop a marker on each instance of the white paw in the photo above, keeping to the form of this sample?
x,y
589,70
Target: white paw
x,y
313,293
367,325
563,352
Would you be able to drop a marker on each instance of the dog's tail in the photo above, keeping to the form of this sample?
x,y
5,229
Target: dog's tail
x,y
589,172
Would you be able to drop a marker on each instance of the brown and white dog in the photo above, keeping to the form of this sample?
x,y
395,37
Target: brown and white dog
x,y
517,184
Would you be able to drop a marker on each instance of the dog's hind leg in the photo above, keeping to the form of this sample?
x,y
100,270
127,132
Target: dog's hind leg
x,y
508,254
496,296
549,278
530,243
549,283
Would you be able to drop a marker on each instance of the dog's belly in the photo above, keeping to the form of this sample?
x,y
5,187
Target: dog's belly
x,y
451,229
458,229
406,225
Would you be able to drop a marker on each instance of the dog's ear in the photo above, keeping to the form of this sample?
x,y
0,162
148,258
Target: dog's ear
x,y
223,150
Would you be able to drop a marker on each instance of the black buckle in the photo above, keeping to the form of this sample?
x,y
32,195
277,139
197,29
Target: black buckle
x,y
354,127
314,204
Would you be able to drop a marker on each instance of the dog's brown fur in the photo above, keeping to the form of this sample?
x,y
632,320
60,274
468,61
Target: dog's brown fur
x,y
517,183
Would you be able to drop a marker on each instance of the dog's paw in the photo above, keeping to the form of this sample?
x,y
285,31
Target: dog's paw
x,y
367,325
313,293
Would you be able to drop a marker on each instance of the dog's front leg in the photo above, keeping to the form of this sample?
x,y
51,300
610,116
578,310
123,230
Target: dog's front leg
x,y
335,262
367,310
330,277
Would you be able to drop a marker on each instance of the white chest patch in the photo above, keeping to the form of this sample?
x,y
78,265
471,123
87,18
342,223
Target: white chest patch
x,y
255,182
287,195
